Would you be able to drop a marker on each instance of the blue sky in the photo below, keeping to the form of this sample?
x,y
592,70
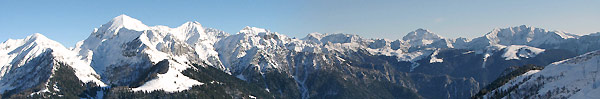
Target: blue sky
x,y
73,20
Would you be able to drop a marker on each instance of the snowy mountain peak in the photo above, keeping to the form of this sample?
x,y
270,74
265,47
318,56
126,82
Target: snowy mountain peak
x,y
421,30
421,37
333,38
124,21
191,23
39,37
40,40
526,26
189,30
516,29
253,30
421,34
35,43
314,37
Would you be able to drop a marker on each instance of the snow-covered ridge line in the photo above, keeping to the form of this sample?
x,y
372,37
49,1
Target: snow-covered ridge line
x,y
128,44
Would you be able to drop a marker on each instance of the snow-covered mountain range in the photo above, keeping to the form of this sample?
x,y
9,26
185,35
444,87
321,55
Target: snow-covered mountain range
x,y
125,54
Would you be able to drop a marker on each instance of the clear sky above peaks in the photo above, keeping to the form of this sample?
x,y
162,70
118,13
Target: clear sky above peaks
x,y
71,21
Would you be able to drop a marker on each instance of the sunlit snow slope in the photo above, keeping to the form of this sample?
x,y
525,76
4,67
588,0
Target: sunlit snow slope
x,y
572,78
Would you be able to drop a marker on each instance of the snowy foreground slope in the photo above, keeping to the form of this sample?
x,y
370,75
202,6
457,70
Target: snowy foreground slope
x,y
575,78
125,58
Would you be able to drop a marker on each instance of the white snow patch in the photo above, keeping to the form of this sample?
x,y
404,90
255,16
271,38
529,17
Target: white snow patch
x,y
485,57
468,52
172,81
435,59
39,92
520,51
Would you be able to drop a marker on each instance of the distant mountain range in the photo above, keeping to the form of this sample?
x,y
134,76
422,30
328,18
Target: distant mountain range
x,y
126,59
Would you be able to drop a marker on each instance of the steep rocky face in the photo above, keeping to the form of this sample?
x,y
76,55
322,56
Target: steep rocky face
x,y
37,72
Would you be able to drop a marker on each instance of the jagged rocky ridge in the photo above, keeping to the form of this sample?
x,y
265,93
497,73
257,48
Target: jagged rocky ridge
x,y
124,54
